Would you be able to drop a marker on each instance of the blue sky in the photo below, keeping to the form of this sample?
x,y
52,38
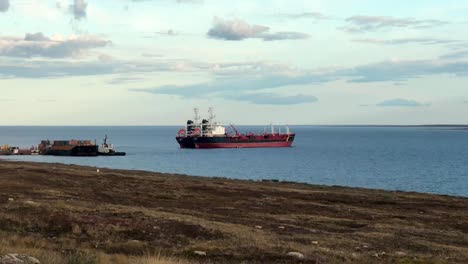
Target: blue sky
x,y
149,62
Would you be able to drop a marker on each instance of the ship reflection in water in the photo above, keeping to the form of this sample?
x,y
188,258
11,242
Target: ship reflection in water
x,y
210,134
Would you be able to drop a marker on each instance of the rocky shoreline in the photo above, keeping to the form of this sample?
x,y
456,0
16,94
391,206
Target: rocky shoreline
x,y
112,216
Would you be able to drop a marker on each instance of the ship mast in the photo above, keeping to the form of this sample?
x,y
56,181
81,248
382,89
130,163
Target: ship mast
x,y
196,117
211,117
196,120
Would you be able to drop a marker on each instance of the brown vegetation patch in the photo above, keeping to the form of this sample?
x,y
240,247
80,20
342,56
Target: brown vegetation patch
x,y
118,216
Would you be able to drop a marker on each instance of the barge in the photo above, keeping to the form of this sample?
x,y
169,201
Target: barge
x,y
68,148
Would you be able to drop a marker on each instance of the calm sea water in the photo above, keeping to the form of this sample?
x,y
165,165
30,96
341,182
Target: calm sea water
x,y
419,159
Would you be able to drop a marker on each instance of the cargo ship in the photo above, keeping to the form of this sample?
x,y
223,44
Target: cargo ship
x,y
68,148
209,134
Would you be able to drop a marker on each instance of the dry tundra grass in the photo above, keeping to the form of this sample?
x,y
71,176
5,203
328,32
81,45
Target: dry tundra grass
x,y
75,215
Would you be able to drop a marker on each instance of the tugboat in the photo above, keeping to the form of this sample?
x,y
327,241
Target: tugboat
x,y
106,149
210,134
7,150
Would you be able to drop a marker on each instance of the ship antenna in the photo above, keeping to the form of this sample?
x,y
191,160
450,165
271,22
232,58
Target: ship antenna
x,y
211,117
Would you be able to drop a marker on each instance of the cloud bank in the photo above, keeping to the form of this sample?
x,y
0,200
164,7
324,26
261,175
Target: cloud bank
x,y
402,70
456,55
400,102
243,76
361,24
402,41
256,78
254,82
274,99
39,45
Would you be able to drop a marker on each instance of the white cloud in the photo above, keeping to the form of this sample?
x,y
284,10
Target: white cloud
x,y
78,9
239,30
235,29
304,15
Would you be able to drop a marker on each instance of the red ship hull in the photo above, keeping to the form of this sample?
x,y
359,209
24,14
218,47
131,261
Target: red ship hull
x,y
245,145
240,141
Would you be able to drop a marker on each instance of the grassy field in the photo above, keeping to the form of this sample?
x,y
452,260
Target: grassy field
x,y
76,215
